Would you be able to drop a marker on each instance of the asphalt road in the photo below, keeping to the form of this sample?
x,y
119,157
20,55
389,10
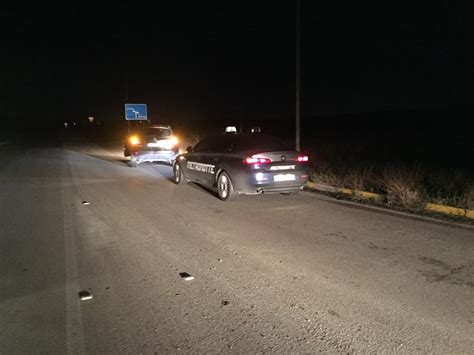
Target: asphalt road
x,y
271,273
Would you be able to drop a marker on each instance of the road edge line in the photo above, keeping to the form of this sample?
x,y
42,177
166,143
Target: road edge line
x,y
370,196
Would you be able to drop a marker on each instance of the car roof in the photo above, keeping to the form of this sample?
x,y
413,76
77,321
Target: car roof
x,y
248,142
160,126
245,136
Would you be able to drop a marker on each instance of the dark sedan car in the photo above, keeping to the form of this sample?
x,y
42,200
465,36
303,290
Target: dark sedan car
x,y
242,164
151,144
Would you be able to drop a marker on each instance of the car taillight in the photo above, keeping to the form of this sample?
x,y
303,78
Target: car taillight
x,y
302,158
257,160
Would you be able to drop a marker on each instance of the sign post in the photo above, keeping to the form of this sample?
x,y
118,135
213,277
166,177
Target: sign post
x,y
135,112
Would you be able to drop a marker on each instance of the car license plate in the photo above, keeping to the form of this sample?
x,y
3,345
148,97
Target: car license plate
x,y
284,177
154,145
282,167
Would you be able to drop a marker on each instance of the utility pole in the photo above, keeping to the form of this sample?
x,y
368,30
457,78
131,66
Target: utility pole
x,y
124,39
125,80
297,98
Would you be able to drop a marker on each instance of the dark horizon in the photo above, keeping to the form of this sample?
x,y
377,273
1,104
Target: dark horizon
x,y
209,62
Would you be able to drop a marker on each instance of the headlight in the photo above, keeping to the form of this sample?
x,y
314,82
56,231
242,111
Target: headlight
x,y
174,140
165,144
134,140
168,143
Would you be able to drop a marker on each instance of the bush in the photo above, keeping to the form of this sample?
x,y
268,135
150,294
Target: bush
x,y
404,186
363,178
449,187
355,178
325,174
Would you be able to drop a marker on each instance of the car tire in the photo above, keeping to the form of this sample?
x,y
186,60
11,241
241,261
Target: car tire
x,y
133,162
178,176
225,189
290,193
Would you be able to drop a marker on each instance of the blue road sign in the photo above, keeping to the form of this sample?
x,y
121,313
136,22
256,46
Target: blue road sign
x,y
135,112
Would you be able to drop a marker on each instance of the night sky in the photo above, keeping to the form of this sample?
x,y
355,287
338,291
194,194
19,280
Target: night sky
x,y
191,61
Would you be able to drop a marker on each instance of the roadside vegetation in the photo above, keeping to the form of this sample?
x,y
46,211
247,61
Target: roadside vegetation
x,y
404,185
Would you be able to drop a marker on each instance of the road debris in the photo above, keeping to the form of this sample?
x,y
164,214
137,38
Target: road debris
x,y
85,296
186,276
86,203
225,303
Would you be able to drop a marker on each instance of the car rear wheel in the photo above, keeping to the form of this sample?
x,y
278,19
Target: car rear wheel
x,y
290,193
133,162
224,187
178,174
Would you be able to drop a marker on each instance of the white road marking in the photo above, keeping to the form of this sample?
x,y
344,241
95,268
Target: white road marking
x,y
74,328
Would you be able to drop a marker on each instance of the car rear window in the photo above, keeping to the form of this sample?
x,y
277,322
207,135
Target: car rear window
x,y
157,132
247,143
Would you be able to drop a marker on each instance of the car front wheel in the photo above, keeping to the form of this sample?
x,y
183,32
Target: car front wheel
x,y
178,174
224,187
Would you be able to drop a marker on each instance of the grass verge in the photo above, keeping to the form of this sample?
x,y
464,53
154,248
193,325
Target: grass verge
x,y
402,187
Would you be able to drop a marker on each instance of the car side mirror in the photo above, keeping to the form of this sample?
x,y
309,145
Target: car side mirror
x,y
189,149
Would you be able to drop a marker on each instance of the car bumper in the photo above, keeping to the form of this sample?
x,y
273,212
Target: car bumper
x,y
141,156
267,183
278,189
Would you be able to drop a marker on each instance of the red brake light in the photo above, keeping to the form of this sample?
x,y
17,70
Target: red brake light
x,y
257,160
302,158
